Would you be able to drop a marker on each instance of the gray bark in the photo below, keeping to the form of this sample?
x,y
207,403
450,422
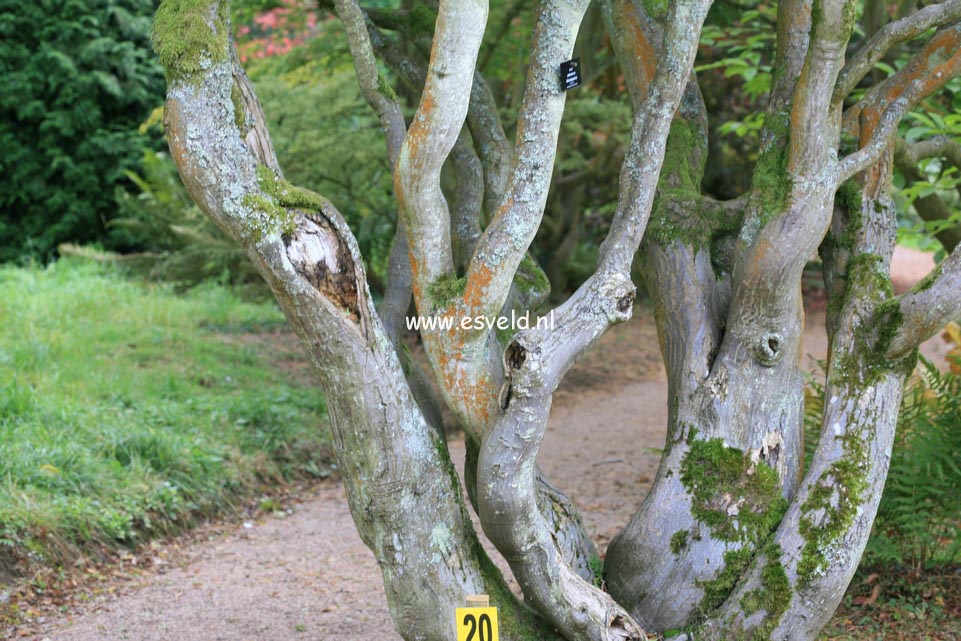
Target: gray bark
x,y
395,467
731,540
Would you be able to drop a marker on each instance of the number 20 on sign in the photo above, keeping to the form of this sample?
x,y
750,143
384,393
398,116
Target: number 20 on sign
x,y
477,624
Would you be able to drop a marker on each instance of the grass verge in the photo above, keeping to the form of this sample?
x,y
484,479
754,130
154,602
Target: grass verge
x,y
127,412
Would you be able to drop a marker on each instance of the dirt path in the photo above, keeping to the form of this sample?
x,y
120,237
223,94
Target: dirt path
x,y
304,576
308,575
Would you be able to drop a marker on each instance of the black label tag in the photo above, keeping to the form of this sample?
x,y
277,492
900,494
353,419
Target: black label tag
x,y
570,74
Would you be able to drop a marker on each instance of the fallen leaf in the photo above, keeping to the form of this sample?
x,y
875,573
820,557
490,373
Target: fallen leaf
x,y
868,600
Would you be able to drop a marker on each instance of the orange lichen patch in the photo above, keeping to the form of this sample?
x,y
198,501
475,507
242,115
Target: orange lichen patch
x,y
469,389
478,282
876,177
173,125
850,125
798,19
937,64
399,195
478,396
421,127
799,118
446,363
869,119
762,251
417,291
640,46
475,395
941,53
633,41
415,273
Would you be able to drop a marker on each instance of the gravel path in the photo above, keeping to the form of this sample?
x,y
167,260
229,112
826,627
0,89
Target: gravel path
x,y
308,575
304,576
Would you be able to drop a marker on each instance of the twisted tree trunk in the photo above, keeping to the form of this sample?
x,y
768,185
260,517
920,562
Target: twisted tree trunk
x,y
734,539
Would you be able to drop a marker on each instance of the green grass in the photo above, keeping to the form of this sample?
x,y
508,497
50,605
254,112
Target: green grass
x,y
127,411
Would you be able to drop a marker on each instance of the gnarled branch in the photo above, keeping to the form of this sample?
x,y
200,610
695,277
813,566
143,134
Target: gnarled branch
x,y
922,312
936,147
880,140
536,360
507,493
431,137
891,35
505,241
928,71
391,461
652,122
371,82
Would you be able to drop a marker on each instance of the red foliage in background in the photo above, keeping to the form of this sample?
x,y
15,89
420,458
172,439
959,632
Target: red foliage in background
x,y
276,32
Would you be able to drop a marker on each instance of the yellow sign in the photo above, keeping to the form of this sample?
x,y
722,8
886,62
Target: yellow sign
x,y
477,624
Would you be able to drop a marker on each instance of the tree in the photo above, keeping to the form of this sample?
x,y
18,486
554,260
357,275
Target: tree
x,y
735,540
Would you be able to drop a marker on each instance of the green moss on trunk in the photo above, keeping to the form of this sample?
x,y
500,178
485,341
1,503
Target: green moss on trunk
x,y
738,499
696,220
771,179
531,278
288,195
190,35
773,597
240,110
445,289
830,508
865,364
277,204
720,587
679,541
656,9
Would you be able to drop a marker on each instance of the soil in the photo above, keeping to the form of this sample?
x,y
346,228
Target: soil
x,y
304,573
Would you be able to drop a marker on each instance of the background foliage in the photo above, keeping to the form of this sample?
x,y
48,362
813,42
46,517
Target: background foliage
x,y
77,78
327,138
181,245
920,513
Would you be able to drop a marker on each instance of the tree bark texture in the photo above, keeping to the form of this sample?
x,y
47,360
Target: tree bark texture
x,y
735,539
